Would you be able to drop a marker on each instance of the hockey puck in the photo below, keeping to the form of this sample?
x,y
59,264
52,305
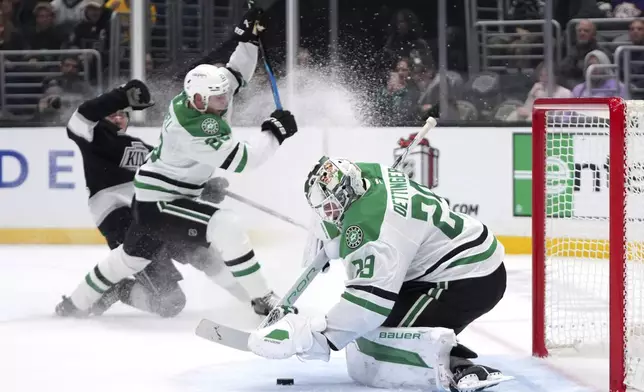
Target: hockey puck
x,y
285,381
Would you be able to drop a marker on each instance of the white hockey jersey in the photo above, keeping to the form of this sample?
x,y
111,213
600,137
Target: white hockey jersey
x,y
193,145
400,231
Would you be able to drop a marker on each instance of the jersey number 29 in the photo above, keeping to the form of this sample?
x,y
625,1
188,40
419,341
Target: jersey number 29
x,y
426,204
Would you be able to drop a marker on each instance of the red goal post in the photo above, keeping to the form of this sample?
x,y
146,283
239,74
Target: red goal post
x,y
569,270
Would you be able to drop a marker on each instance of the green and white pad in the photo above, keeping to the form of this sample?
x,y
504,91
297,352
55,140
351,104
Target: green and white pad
x,y
395,357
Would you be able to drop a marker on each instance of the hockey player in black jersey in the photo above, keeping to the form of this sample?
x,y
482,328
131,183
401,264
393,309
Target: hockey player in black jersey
x,y
110,159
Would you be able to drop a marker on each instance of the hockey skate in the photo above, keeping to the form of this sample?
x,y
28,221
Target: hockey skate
x,y
66,308
469,377
112,296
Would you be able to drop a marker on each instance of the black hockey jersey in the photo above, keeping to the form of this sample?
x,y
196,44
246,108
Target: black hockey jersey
x,y
110,157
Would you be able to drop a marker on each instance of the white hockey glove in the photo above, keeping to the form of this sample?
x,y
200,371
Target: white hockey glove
x,y
292,335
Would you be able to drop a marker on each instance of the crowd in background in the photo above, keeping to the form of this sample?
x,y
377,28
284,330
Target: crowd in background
x,y
506,91
402,89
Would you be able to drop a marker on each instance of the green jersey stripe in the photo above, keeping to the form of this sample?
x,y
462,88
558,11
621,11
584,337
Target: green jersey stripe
x,y
242,163
476,258
412,315
229,158
381,310
458,250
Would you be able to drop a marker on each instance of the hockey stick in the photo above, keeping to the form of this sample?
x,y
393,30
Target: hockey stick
x,y
267,210
268,67
238,339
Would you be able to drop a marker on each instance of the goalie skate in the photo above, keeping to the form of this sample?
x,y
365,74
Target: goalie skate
x,y
478,378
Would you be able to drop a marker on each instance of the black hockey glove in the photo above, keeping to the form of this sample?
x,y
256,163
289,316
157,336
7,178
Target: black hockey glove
x,y
249,28
137,94
215,190
282,124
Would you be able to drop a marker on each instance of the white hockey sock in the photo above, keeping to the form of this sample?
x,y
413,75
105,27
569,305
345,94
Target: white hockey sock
x,y
233,244
104,275
247,270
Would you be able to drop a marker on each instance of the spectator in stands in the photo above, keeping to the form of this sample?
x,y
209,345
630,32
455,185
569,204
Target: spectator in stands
x,y
603,83
539,90
522,35
627,8
44,34
64,92
564,10
23,12
93,31
635,37
405,40
398,102
10,37
122,7
572,67
68,13
427,83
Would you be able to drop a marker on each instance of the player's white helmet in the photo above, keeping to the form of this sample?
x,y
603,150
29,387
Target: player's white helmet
x,y
331,187
207,81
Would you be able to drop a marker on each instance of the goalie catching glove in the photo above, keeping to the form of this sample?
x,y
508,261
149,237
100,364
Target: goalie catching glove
x,y
281,124
292,335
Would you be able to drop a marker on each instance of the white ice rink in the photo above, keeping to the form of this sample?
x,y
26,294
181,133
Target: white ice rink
x,y
127,350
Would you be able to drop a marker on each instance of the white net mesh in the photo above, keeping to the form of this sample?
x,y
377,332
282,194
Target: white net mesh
x,y
577,233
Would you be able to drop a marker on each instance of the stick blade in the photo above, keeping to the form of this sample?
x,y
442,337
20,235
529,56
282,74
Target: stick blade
x,y
219,333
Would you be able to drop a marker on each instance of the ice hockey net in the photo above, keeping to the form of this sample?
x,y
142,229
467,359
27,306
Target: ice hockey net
x,y
588,234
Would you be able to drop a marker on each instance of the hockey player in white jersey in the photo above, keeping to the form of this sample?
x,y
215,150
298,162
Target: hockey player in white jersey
x,y
196,140
418,274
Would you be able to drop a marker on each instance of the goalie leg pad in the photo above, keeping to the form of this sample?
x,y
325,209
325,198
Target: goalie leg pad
x,y
416,357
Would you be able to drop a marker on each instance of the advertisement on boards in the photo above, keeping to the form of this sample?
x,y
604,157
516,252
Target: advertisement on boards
x,y
577,176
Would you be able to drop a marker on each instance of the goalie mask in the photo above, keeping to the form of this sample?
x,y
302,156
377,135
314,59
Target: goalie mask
x,y
332,186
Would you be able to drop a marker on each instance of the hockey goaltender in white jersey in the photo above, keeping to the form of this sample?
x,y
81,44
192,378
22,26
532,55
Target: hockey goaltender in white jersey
x,y
418,274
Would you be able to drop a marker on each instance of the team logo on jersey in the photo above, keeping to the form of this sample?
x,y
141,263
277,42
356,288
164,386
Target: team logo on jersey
x,y
353,236
210,125
421,164
134,156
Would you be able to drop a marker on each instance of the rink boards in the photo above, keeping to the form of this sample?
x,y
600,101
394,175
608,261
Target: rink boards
x,y
481,171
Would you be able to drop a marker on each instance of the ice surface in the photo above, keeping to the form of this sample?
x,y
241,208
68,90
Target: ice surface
x,y
126,350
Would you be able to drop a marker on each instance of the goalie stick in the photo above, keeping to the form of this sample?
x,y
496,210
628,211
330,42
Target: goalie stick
x,y
222,334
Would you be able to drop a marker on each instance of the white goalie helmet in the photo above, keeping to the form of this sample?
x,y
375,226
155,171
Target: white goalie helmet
x,y
207,81
331,187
